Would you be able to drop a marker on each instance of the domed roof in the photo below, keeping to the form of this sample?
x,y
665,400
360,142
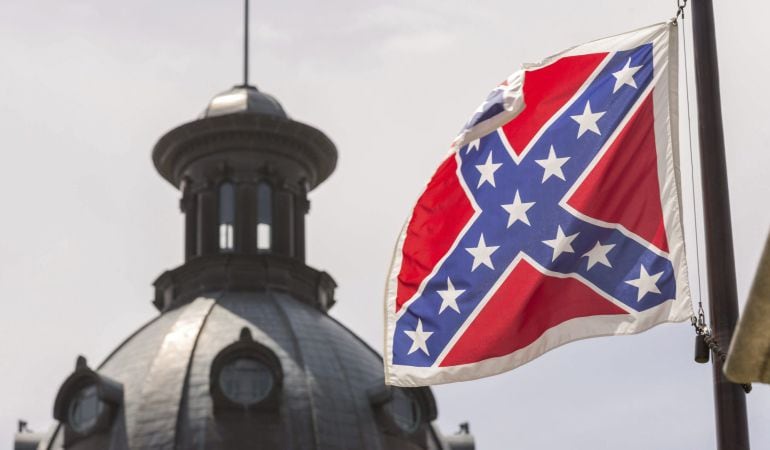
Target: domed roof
x,y
331,391
244,100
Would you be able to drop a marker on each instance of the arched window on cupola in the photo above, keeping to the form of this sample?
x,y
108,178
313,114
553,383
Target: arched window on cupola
x,y
226,216
264,216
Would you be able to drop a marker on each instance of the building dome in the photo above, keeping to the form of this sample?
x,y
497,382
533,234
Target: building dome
x,y
244,100
311,384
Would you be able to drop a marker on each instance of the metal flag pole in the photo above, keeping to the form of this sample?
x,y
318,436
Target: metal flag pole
x,y
729,398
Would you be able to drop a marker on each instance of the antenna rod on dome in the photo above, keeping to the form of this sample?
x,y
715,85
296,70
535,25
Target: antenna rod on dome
x,y
246,43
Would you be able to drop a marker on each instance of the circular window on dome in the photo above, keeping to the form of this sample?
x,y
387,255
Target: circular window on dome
x,y
246,375
84,409
404,410
86,403
246,380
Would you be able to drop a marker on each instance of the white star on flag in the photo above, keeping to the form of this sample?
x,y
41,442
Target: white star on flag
x,y
587,120
474,145
625,76
561,243
449,297
487,171
646,283
552,165
517,210
419,338
482,254
598,254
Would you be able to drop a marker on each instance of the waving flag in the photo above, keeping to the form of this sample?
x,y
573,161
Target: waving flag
x,y
555,217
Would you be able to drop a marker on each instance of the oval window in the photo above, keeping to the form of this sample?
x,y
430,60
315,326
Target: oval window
x,y
84,409
245,380
404,410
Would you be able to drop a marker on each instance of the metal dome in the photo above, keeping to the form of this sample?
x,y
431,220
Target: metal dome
x,y
244,100
331,392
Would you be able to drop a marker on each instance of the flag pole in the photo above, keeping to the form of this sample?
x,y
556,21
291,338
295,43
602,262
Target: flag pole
x,y
729,398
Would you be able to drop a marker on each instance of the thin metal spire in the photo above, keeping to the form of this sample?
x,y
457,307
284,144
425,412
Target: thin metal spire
x,y
246,43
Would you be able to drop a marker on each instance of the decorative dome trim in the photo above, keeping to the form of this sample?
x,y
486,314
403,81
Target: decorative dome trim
x,y
240,272
302,151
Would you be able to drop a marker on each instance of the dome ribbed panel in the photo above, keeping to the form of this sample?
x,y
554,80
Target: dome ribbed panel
x,y
164,384
339,399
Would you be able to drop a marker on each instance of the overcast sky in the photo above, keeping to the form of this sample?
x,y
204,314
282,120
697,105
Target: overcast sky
x,y
87,87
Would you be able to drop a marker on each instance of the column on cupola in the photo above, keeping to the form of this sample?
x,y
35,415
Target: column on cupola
x,y
189,205
283,220
301,208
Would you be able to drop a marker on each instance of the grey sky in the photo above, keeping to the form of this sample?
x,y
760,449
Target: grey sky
x,y
87,87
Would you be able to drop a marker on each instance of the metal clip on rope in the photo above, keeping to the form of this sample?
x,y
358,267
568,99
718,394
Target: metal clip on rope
x,y
705,343
680,5
701,347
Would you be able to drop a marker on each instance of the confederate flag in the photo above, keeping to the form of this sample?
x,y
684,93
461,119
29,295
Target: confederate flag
x,y
555,217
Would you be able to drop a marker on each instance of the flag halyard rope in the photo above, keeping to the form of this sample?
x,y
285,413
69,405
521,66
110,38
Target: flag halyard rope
x,y
698,319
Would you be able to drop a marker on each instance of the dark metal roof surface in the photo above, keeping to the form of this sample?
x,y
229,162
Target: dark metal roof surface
x,y
164,369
